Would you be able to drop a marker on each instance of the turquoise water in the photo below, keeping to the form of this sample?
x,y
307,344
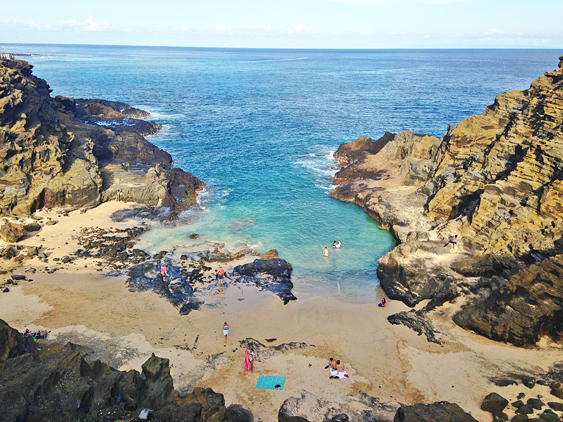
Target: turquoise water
x,y
260,126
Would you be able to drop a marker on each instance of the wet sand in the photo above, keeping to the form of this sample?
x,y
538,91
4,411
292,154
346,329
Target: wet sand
x,y
392,363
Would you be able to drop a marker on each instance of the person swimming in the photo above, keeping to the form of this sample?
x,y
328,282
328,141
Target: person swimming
x,y
326,252
338,244
334,244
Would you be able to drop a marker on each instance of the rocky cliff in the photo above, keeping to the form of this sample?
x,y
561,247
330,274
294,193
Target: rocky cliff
x,y
495,181
58,152
61,384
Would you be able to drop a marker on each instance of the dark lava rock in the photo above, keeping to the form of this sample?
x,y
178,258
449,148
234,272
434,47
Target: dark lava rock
x,y
499,416
528,381
438,412
521,396
525,410
517,403
194,236
549,416
535,403
417,321
5,290
504,382
340,418
12,343
494,402
17,277
32,227
557,392
520,418
66,259
268,274
556,406
236,413
176,288
531,303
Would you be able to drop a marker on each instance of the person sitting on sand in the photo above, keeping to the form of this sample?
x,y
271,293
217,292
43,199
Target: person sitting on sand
x,y
341,371
383,303
164,272
333,370
326,252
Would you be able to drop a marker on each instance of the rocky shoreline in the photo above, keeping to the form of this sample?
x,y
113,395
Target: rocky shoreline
x,y
502,203
477,214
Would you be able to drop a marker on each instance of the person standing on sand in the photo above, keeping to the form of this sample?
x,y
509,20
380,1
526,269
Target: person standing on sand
x,y
220,274
326,252
225,331
454,242
251,359
247,360
164,272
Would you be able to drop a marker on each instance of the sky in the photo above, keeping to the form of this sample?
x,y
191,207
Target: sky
x,y
287,23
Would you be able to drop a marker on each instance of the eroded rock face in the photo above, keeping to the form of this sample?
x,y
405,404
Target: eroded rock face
x,y
12,343
494,180
528,306
57,152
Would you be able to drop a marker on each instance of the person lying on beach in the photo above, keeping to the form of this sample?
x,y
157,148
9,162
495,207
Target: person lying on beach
x,y
383,303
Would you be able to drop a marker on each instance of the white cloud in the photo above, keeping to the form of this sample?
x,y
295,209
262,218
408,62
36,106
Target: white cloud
x,y
222,28
71,25
300,27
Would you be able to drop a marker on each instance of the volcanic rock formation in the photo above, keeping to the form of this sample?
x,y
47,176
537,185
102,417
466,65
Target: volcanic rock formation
x,y
58,152
494,180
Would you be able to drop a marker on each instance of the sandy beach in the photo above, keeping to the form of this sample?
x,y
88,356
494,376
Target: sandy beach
x,y
78,303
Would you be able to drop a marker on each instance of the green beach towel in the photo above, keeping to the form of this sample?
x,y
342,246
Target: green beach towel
x,y
269,382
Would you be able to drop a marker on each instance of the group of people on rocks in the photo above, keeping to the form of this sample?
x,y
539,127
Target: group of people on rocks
x,y
7,56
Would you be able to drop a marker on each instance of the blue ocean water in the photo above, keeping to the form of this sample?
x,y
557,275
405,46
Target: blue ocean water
x,y
260,127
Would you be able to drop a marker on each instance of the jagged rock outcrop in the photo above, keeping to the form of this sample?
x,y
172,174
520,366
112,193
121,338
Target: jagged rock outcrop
x,y
494,180
12,343
58,152
439,412
61,385
273,274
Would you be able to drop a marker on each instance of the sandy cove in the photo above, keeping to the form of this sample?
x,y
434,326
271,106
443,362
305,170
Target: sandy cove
x,y
389,362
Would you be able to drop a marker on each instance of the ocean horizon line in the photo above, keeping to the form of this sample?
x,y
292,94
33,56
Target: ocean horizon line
x,y
285,49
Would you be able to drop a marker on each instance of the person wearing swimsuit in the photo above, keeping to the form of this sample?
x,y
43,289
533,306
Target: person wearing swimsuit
x,y
225,331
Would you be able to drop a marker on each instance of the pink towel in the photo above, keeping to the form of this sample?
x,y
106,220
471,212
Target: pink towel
x,y
246,360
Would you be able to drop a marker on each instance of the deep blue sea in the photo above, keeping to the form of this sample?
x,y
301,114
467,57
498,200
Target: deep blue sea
x,y
260,127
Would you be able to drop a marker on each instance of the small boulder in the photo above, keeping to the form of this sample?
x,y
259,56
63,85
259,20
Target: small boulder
x,y
271,254
194,236
17,277
556,406
494,403
32,227
557,392
535,403
525,410
528,381
11,232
